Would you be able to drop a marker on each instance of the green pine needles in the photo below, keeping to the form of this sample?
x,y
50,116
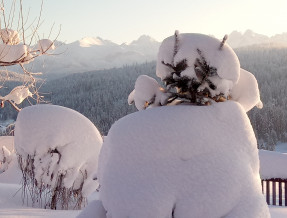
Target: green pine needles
x,y
197,89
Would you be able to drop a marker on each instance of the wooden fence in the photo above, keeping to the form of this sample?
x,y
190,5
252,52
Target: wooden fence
x,y
275,191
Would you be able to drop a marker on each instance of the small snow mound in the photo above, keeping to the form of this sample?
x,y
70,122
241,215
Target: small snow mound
x,y
62,143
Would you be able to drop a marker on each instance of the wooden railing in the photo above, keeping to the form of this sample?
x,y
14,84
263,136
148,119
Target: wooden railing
x,y
275,190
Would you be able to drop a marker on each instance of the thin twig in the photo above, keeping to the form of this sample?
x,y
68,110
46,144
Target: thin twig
x,y
21,12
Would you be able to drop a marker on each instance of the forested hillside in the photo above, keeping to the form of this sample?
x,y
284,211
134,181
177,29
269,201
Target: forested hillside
x,y
102,95
269,65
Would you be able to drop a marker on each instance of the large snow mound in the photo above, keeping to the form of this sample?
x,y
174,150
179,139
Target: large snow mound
x,y
61,141
189,161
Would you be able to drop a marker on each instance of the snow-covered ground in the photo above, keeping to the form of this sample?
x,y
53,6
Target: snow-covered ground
x,y
281,147
11,205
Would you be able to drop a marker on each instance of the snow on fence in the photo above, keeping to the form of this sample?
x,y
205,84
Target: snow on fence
x,y
273,174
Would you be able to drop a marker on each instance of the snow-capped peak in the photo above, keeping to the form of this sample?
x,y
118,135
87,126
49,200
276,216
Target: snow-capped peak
x,y
90,41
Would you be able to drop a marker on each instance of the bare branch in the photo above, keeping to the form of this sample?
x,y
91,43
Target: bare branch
x,y
21,12
4,17
12,11
14,106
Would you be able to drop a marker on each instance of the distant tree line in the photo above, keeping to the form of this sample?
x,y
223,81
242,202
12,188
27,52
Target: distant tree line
x,y
102,95
269,65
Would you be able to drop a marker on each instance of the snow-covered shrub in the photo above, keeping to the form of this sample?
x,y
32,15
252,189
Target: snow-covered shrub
x,y
57,152
5,159
196,69
6,152
185,160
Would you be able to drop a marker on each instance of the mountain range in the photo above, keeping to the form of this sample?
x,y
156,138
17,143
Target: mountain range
x,y
95,53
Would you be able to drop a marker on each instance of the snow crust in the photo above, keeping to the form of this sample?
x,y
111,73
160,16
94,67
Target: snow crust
x,y
10,37
45,45
12,53
246,91
272,164
147,92
18,94
62,141
190,161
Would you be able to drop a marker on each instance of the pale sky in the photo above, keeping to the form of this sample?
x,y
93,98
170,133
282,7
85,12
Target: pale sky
x,y
125,20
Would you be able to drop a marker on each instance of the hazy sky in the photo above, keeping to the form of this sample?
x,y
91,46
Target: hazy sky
x,y
125,20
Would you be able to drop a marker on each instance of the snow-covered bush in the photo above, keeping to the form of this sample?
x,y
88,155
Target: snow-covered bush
x,y
57,152
5,159
185,160
196,69
6,152
182,161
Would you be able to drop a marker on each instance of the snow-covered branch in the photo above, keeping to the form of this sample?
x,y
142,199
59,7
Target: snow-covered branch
x,y
15,51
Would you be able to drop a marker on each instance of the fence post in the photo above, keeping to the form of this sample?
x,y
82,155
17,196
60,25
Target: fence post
x,y
267,192
274,192
280,193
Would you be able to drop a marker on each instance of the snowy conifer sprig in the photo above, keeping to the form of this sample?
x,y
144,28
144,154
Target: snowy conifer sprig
x,y
187,89
195,69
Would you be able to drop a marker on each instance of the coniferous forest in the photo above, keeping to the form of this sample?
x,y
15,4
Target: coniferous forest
x,y
102,95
